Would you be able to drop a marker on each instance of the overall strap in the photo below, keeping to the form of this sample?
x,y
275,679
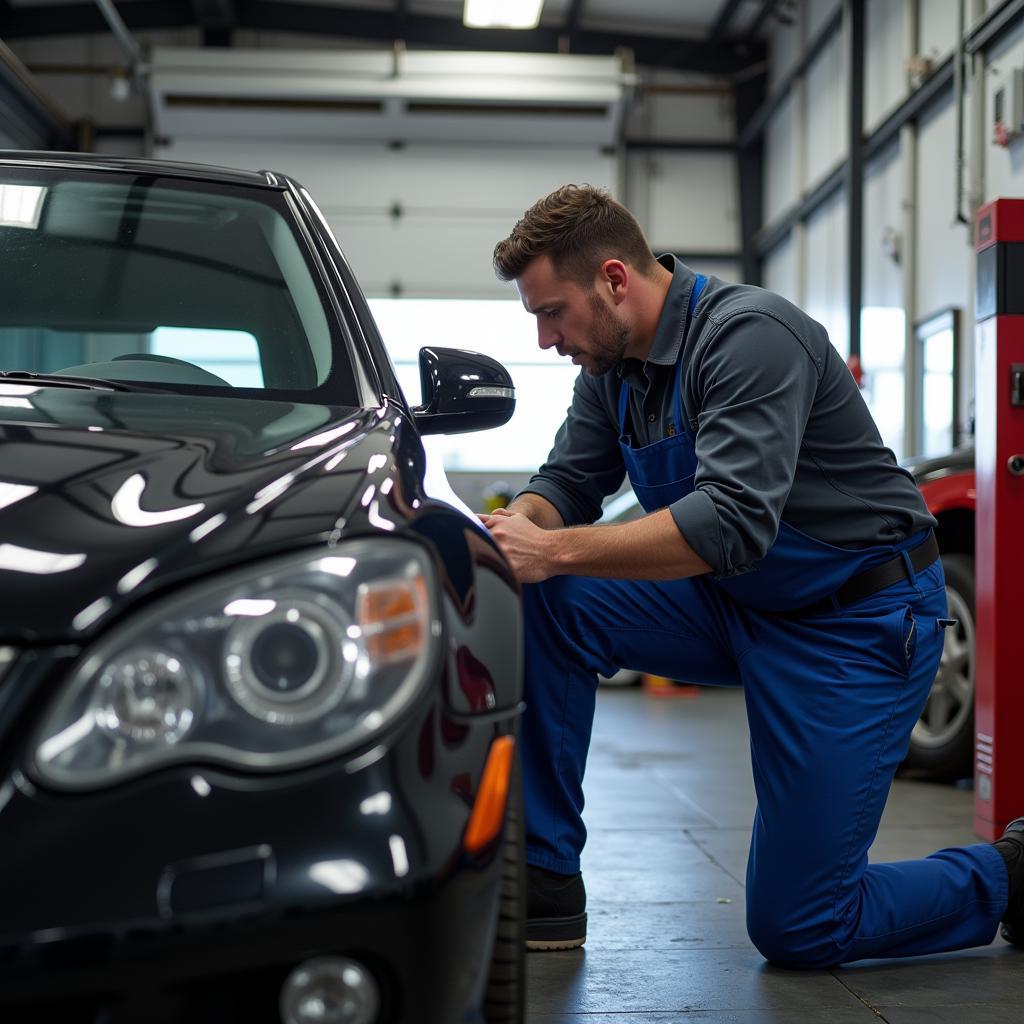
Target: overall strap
x,y
695,293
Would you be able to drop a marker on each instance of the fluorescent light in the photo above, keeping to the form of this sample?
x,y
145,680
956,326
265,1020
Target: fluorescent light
x,y
502,13
20,205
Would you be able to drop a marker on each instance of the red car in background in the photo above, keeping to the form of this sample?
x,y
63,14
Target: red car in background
x,y
942,743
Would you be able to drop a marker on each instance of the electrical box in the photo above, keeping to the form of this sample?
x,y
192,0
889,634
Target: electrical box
x,y
1008,109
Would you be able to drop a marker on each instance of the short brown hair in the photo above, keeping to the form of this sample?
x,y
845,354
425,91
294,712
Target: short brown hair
x,y
579,227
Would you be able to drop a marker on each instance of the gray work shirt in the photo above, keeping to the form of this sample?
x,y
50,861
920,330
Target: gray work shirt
x,y
781,431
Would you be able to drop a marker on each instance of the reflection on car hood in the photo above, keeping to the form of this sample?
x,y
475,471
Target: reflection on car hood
x,y
107,497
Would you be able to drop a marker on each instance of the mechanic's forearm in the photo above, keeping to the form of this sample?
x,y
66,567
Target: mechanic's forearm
x,y
538,510
651,548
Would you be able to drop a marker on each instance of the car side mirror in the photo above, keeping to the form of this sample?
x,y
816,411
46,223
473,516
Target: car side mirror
x,y
462,391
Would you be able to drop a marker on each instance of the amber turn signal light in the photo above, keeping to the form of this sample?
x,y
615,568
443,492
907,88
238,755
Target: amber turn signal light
x,y
489,809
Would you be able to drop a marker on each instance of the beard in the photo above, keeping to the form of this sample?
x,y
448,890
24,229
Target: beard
x,y
609,337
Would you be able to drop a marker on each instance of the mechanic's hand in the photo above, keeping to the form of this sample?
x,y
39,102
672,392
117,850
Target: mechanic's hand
x,y
484,516
523,543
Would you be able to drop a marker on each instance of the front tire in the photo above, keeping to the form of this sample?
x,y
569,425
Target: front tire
x,y
942,743
505,993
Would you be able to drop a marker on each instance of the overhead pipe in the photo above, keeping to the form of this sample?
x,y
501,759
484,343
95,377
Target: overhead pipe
x,y
909,248
128,44
120,30
958,99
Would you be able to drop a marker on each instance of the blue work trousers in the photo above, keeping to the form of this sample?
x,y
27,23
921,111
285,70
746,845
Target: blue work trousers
x,y
831,700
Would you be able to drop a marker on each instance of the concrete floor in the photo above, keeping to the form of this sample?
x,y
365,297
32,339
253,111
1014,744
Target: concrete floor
x,y
669,808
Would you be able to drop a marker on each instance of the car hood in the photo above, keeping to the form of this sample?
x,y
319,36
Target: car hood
x,y
106,498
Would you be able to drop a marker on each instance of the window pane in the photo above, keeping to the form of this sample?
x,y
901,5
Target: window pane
x,y
103,273
937,393
881,353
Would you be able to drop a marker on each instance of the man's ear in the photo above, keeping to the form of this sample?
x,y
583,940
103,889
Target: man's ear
x,y
613,276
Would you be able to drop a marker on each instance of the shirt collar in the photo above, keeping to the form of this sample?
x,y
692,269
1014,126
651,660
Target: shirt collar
x,y
668,338
671,330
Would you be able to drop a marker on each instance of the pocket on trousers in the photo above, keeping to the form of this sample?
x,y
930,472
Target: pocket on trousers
x,y
908,637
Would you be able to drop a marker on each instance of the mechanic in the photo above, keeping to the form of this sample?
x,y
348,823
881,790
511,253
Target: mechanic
x,y
783,550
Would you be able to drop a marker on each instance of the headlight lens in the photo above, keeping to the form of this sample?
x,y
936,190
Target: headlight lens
x,y
271,667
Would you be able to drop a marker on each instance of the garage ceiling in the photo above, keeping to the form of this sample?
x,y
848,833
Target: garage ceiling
x,y
715,36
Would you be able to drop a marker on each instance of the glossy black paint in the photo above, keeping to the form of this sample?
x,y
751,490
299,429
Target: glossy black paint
x,y
191,892
462,391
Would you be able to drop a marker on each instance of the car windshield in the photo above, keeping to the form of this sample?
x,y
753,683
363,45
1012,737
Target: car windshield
x,y
163,283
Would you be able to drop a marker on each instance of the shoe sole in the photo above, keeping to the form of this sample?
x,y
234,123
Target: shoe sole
x,y
544,934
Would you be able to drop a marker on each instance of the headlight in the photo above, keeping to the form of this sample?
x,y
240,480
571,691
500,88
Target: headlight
x,y
275,666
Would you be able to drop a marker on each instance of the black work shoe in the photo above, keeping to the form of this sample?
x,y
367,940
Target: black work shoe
x,y
1011,845
556,915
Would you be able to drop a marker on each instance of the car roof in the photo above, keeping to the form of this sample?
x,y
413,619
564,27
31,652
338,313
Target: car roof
x,y
133,165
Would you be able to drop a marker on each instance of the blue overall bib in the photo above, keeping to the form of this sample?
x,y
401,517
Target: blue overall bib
x,y
831,700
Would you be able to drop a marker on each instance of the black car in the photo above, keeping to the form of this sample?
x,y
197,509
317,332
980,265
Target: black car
x,y
258,691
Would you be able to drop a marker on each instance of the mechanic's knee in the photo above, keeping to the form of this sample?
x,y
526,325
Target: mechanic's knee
x,y
791,940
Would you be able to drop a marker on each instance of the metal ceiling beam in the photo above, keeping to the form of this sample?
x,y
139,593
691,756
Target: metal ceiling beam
x,y
572,17
723,58
724,19
216,18
82,18
762,16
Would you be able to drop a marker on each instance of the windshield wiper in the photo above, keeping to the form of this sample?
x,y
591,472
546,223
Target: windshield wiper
x,y
60,380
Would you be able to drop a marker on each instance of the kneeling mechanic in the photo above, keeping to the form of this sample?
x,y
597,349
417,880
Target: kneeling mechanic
x,y
783,550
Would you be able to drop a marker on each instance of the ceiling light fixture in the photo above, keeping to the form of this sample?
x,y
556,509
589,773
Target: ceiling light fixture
x,y
502,13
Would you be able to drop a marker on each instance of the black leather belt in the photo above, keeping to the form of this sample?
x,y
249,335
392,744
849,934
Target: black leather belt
x,y
877,578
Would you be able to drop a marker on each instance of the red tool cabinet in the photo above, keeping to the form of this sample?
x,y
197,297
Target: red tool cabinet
x,y
999,542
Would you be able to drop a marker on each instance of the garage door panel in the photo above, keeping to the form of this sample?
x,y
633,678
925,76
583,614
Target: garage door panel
x,y
424,256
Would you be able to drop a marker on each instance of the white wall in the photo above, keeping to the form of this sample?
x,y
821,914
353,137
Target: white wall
x,y
939,22
885,80
944,254
825,291
818,12
457,201
781,271
1004,168
686,201
827,114
883,217
672,105
781,160
784,47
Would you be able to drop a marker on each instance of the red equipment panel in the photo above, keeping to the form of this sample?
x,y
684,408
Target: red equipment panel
x,y
999,539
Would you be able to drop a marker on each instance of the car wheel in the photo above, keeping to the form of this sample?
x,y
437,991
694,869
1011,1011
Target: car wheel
x,y
505,994
942,743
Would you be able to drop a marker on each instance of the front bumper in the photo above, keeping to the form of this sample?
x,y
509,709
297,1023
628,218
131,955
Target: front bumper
x,y
427,951
191,894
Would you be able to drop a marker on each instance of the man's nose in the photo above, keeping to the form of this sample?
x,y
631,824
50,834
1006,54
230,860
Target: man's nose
x,y
547,337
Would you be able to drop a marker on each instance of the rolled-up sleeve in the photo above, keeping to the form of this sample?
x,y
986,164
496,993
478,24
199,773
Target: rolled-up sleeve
x,y
585,464
756,383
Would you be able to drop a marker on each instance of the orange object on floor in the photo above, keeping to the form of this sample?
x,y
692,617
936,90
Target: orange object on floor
x,y
659,686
